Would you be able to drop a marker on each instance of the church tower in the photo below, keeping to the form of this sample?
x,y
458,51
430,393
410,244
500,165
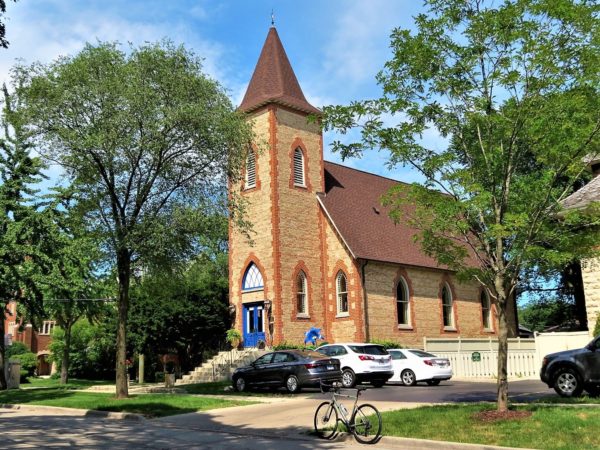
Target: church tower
x,y
276,282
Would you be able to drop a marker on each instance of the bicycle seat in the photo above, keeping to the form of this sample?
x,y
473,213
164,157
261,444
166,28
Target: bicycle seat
x,y
361,388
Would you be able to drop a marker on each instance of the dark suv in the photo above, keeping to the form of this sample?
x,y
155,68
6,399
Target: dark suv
x,y
572,371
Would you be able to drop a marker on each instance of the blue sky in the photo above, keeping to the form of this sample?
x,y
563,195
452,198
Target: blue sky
x,y
336,46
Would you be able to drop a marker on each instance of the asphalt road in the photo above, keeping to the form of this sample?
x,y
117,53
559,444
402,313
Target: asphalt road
x,y
459,391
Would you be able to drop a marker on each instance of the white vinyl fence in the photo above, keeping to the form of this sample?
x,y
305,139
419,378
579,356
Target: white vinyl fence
x,y
521,364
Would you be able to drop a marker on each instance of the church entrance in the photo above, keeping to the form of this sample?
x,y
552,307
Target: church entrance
x,y
254,324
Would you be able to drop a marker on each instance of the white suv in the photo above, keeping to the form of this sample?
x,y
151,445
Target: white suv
x,y
361,362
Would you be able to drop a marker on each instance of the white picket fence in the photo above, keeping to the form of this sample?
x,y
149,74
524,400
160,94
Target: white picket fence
x,y
521,364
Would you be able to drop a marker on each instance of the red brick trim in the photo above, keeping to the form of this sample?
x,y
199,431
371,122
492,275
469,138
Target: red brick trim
x,y
301,266
243,189
482,330
298,144
448,281
324,277
277,301
402,274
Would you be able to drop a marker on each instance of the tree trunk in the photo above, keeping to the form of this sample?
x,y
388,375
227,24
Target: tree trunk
x,y
3,384
503,299
64,366
124,271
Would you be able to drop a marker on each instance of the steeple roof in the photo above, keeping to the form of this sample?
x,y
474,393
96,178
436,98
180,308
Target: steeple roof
x,y
274,81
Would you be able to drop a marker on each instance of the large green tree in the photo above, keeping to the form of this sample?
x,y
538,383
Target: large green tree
x,y
512,86
150,140
19,220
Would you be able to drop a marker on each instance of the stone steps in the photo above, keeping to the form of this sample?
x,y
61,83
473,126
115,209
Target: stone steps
x,y
220,367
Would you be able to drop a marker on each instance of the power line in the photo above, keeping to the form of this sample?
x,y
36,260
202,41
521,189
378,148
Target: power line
x,y
110,299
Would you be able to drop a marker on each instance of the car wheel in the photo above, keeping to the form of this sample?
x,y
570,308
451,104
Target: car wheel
x,y
240,384
567,382
433,382
378,383
408,377
348,378
292,384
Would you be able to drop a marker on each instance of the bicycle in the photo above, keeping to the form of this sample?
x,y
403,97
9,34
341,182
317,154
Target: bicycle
x,y
364,422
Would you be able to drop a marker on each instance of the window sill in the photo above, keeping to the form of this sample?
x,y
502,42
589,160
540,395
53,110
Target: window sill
x,y
302,316
488,330
342,314
256,289
300,186
405,327
452,329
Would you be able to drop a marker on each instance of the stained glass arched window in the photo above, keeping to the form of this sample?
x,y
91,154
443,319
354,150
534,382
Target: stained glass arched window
x,y
252,278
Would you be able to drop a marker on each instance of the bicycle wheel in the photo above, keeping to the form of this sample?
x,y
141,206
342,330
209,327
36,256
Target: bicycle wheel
x,y
326,420
366,424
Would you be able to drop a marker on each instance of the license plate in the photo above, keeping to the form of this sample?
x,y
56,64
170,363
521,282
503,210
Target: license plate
x,y
330,367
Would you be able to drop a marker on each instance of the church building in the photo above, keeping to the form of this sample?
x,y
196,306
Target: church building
x,y
324,251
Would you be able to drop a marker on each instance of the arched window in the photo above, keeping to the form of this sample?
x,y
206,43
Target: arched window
x,y
447,310
301,294
250,181
402,303
486,310
299,177
342,293
252,278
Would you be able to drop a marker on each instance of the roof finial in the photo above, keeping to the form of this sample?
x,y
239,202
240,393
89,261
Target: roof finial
x,y
272,19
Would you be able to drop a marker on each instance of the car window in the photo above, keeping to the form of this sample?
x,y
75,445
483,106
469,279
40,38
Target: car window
x,y
397,355
264,359
283,358
338,350
369,349
421,354
325,351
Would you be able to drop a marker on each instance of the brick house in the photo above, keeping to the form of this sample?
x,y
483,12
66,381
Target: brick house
x,y
325,253
37,341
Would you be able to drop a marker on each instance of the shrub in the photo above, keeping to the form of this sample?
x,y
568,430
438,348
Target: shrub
x,y
28,364
17,348
290,346
597,327
386,343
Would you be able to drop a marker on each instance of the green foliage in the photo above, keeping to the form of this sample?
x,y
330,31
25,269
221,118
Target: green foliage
x,y
292,346
92,348
386,343
233,335
17,348
28,364
597,327
545,312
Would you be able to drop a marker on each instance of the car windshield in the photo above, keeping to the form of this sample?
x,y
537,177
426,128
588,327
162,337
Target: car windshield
x,y
369,349
421,354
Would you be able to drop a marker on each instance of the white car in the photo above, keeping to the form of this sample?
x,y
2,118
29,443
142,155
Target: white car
x,y
412,366
361,362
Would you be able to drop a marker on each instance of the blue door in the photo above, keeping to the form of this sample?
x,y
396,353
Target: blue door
x,y
254,324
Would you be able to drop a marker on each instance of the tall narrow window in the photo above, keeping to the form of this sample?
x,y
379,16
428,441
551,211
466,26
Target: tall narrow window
x,y
447,307
485,310
301,294
252,278
47,327
402,304
299,168
250,170
342,293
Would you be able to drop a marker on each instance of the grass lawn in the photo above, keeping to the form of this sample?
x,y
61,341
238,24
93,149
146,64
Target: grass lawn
x,y
150,405
548,428
74,383
217,388
574,401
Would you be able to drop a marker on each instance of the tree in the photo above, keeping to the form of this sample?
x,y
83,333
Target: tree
x,y
72,285
3,41
150,140
19,226
513,88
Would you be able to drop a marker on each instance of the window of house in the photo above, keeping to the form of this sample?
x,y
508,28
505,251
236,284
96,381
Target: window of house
x,y
250,181
447,310
299,176
252,278
12,328
485,310
301,294
402,304
47,327
342,294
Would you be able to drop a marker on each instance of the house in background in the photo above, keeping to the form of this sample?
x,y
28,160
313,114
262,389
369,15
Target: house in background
x,y
38,341
325,253
586,197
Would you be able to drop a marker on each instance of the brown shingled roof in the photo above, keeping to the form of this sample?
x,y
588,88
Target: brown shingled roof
x,y
274,80
585,196
352,199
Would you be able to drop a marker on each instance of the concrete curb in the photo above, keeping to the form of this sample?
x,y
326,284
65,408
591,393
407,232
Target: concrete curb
x,y
77,412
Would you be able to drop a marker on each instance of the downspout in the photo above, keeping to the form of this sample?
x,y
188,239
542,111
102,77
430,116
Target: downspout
x,y
365,301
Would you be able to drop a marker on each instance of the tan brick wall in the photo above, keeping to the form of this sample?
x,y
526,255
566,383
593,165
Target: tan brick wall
x,y
300,246
425,304
590,269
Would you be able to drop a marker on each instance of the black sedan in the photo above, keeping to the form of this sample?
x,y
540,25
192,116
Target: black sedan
x,y
292,369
